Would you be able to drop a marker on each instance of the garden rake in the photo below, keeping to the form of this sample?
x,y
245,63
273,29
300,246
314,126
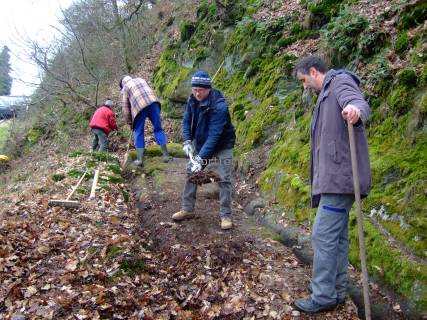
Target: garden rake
x,y
67,202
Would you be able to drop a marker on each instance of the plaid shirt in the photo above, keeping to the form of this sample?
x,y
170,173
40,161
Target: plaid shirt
x,y
136,94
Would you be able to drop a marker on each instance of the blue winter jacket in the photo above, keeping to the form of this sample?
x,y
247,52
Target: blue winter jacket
x,y
213,130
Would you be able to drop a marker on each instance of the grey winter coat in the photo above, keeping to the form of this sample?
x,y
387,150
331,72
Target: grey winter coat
x,y
330,162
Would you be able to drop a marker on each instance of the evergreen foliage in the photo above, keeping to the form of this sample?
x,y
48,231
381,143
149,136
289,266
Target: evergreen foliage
x,y
5,78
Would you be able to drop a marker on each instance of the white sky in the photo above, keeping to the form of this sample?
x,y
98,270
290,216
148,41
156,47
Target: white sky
x,y
27,19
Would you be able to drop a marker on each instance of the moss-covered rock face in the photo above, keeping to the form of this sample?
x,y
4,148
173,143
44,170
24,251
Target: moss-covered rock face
x,y
413,15
270,112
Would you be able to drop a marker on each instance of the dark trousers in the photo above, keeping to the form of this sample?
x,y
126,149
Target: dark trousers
x,y
100,139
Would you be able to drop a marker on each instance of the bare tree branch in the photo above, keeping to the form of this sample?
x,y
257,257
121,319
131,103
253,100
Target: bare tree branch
x,y
43,63
82,54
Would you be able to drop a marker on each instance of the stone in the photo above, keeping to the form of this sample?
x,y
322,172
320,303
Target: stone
x,y
254,204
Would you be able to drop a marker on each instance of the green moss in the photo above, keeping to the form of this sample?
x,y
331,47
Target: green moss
x,y
201,54
402,43
170,21
132,266
35,134
83,190
125,194
115,168
76,153
58,177
154,166
423,105
186,28
104,156
4,133
342,36
407,77
112,252
423,76
398,181
401,99
323,11
111,179
371,42
388,263
175,150
74,173
413,15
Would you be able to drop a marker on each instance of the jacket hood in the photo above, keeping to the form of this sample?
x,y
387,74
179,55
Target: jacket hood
x,y
333,73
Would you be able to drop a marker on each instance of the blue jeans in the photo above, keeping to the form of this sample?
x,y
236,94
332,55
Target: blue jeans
x,y
153,113
221,162
330,245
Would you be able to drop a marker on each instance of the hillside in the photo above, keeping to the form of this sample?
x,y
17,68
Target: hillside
x,y
250,48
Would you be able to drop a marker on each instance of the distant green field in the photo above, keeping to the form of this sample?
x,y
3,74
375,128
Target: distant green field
x,y
4,132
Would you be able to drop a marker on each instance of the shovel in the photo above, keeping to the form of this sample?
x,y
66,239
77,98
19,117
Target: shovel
x,y
359,221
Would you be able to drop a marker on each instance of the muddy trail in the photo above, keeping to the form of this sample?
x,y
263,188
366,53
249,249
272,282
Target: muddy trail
x,y
120,255
214,274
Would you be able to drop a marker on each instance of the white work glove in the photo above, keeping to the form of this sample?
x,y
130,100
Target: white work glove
x,y
188,147
197,164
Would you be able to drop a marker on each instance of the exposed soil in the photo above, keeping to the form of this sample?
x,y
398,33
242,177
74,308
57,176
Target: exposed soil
x,y
236,274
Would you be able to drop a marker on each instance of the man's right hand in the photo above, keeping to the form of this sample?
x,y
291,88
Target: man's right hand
x,y
188,147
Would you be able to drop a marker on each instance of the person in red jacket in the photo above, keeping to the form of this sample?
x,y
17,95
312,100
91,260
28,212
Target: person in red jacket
x,y
102,123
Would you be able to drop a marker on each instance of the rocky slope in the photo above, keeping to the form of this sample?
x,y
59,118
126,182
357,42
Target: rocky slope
x,y
250,48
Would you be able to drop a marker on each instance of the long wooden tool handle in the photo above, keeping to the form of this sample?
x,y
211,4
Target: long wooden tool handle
x,y
125,159
129,141
95,181
76,186
359,221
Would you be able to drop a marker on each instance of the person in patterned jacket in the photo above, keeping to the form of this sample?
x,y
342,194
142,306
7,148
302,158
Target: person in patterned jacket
x,y
139,101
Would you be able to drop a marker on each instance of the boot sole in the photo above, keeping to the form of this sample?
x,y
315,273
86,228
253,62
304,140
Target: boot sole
x,y
181,219
326,309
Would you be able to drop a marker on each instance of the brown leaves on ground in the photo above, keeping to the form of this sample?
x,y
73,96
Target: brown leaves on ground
x,y
96,262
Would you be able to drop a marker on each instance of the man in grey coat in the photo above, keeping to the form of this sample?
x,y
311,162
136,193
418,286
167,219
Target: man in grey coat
x,y
332,191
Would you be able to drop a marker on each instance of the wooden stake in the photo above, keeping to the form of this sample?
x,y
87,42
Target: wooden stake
x,y
95,181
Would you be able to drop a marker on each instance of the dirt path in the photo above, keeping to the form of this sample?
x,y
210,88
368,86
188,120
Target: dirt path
x,y
215,274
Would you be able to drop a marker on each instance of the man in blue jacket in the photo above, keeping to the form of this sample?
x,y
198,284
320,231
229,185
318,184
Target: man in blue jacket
x,y
332,190
209,137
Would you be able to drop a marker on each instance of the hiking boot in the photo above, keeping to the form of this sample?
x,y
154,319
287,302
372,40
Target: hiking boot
x,y
340,300
182,215
166,156
139,157
308,305
226,223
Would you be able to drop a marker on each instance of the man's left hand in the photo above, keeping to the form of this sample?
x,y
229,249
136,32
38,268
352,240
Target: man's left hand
x,y
351,113
197,164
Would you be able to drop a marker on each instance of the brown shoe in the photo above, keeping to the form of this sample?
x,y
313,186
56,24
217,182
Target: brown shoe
x,y
182,215
226,223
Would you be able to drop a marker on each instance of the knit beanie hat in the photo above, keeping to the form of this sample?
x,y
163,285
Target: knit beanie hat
x,y
201,79
109,103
